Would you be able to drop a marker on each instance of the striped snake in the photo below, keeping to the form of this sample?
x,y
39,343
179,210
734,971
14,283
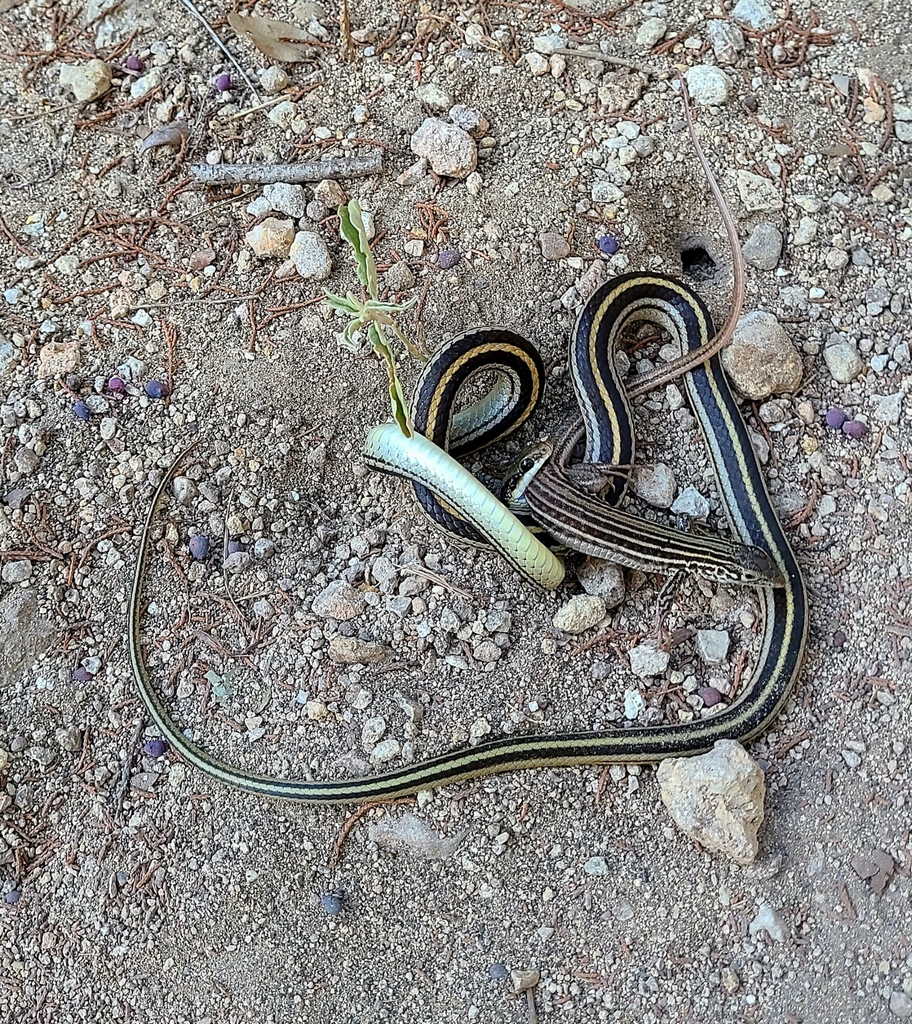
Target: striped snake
x,y
759,554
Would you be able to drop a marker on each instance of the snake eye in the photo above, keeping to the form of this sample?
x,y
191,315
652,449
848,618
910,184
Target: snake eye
x,y
526,465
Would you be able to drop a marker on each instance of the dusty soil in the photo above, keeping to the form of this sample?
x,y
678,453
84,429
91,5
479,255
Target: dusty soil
x,y
135,888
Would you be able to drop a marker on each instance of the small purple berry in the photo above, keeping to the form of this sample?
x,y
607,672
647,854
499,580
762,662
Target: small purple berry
x,y
155,389
155,748
447,259
199,546
855,429
12,897
835,418
133,63
223,83
234,546
82,675
709,695
332,904
81,411
608,244
117,385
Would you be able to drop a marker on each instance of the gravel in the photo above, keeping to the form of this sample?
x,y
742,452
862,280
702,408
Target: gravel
x,y
115,269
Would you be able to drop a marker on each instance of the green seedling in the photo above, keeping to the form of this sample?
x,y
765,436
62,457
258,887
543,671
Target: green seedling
x,y
370,317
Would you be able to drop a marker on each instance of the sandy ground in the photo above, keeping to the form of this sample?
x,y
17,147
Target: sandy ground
x,y
136,889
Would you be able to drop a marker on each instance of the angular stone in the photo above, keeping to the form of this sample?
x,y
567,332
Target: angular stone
x,y
310,256
339,601
271,237
449,150
712,645
764,246
647,659
602,579
349,650
86,81
760,359
757,193
708,85
655,484
580,613
716,799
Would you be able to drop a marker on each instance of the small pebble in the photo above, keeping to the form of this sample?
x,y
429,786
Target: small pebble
x,y
82,675
199,546
447,259
223,83
133,63
12,897
709,695
117,385
81,411
498,972
154,748
155,389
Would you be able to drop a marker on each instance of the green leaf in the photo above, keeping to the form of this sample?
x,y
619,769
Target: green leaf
x,y
352,235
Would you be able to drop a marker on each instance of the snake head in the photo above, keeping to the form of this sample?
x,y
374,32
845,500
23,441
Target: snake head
x,y
520,472
757,566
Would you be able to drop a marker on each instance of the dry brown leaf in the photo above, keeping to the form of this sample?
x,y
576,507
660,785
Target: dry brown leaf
x,y
279,40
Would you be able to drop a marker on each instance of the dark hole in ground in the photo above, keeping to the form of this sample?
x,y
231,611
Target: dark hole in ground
x,y
697,263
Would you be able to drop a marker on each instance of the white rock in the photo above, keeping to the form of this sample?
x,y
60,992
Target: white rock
x,y
386,750
283,114
716,799
273,80
634,705
372,732
708,85
690,503
602,579
432,96
596,866
769,921
449,150
310,256
549,43
285,198
712,645
413,174
757,14
806,231
469,120
761,359
580,613
86,81
141,87
605,192
271,237
647,659
887,408
650,32
764,246
726,39
655,484
843,362
536,63
758,193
